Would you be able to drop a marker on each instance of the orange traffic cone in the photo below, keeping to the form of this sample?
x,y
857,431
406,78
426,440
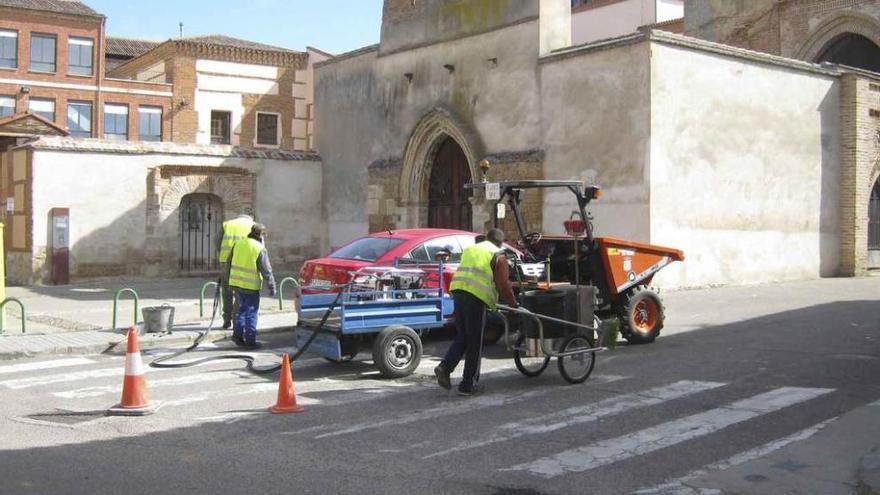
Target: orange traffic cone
x,y
134,387
286,394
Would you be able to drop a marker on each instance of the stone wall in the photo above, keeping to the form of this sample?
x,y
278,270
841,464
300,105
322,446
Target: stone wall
x,y
860,166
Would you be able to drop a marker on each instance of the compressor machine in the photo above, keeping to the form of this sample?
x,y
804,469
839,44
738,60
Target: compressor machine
x,y
574,286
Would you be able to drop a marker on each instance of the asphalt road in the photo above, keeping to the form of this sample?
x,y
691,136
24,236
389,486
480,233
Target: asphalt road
x,y
736,369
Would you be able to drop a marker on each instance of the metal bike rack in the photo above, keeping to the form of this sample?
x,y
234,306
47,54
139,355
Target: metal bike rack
x,y
116,302
23,314
281,284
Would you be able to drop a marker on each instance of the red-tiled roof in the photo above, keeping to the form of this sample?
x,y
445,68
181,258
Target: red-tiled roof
x,y
60,6
221,40
128,47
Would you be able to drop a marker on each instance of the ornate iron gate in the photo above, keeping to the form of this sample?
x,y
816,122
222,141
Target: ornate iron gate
x,y
200,216
874,218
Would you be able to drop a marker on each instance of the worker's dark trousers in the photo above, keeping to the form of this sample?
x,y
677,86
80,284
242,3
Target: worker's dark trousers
x,y
470,319
246,319
230,302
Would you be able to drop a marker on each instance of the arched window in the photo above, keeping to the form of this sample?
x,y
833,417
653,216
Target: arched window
x,y
200,217
853,50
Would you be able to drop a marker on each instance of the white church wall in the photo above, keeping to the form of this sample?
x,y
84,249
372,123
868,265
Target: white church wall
x,y
744,168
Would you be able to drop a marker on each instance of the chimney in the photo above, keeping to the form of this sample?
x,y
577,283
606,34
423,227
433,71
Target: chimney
x,y
554,25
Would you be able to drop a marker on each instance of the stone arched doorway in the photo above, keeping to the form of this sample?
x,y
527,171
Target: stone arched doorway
x,y
449,205
874,226
853,50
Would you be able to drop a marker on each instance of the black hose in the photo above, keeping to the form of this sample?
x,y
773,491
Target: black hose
x,y
160,362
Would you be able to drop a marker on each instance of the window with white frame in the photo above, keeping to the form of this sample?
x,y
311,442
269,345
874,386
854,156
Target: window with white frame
x,y
8,49
79,119
7,106
43,107
79,56
43,52
149,123
268,129
115,122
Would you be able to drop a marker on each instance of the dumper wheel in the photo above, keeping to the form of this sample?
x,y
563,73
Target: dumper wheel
x,y
397,351
641,315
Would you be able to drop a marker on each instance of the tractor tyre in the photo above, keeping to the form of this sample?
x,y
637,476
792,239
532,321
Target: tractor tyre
x,y
641,315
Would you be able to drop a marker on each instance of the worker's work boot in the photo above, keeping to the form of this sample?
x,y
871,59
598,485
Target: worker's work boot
x,y
239,341
468,390
442,375
253,345
227,323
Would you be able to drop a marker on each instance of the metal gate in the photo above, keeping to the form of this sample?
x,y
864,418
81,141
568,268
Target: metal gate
x,y
200,216
874,225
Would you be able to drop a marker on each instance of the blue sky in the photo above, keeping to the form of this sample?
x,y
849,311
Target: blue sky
x,y
334,26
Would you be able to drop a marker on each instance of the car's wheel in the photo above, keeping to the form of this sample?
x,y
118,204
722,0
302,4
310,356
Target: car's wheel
x,y
641,315
529,366
577,368
397,351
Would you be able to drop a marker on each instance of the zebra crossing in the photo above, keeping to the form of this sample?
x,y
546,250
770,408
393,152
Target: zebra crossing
x,y
88,383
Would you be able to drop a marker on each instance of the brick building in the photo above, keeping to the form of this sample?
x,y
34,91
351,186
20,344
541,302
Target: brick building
x,y
750,141
147,145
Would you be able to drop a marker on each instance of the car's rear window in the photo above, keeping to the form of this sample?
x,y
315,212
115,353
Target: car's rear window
x,y
367,248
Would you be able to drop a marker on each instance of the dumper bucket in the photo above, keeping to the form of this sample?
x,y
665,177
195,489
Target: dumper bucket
x,y
629,263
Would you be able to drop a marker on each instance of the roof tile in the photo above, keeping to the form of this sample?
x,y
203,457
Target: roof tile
x,y
60,6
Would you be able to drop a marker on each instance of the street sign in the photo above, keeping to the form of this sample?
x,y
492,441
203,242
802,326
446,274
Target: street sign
x,y
493,191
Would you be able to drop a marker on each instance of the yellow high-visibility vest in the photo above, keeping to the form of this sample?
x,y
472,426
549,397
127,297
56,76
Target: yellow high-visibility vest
x,y
474,275
243,271
233,231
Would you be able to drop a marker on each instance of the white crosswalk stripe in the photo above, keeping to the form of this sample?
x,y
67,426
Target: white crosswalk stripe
x,y
455,407
66,377
44,365
645,441
585,414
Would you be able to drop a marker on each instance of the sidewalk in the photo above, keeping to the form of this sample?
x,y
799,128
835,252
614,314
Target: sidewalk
x,y
77,319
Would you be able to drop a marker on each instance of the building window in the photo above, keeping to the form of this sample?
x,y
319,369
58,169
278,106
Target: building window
x,y
8,49
220,126
79,56
7,106
116,122
79,119
42,107
268,131
43,52
150,123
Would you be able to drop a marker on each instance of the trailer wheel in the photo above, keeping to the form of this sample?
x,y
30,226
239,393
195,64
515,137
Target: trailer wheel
x,y
577,368
641,315
397,351
529,366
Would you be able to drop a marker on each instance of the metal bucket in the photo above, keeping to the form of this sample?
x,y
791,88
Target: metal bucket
x,y
158,319
548,303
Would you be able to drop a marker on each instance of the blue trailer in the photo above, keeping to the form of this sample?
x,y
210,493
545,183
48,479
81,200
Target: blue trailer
x,y
385,307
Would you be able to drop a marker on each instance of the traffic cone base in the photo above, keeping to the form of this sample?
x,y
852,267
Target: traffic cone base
x,y
286,394
134,387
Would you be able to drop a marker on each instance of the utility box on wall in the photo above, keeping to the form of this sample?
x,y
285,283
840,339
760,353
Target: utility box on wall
x,y
59,224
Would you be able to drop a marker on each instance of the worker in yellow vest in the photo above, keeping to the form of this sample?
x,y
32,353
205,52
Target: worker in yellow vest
x,y
233,231
482,275
248,267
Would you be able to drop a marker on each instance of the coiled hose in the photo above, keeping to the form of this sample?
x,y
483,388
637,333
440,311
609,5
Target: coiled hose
x,y
161,361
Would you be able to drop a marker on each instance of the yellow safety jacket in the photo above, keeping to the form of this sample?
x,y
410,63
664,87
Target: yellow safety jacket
x,y
243,272
233,231
475,276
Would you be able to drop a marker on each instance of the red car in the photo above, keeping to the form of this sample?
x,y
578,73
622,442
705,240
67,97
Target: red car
x,y
411,247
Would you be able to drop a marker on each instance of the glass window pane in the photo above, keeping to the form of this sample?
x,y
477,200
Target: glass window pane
x,y
43,108
450,244
150,123
367,248
8,49
7,106
42,53
80,56
79,119
267,129
115,122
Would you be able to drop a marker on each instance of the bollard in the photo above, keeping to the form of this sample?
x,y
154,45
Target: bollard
x,y
23,314
281,290
116,301
202,298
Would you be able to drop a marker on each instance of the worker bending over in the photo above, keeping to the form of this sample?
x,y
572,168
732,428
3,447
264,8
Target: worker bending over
x,y
233,231
481,276
248,267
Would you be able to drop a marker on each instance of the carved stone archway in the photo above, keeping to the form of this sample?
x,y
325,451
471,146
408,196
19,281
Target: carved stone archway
x,y
845,23
166,187
427,136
